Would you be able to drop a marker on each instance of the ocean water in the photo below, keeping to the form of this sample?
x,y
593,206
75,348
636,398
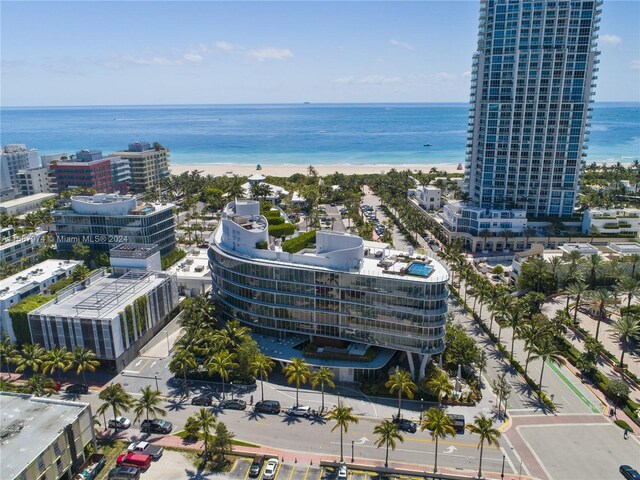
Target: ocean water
x,y
307,134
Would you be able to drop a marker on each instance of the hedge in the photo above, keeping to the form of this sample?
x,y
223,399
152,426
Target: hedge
x,y
282,230
262,245
296,244
19,318
172,257
623,424
275,220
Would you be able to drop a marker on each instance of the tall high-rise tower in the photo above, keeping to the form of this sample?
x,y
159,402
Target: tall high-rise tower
x,y
531,89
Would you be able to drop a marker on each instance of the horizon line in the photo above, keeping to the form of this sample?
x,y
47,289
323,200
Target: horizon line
x,y
263,104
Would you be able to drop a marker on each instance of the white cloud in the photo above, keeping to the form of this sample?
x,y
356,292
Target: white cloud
x,y
398,43
369,80
147,60
466,74
446,76
608,39
634,64
193,57
226,46
270,53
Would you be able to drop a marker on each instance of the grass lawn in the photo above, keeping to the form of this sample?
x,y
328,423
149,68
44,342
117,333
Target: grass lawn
x,y
110,448
182,434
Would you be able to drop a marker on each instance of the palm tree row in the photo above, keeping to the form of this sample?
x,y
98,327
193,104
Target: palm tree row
x,y
34,358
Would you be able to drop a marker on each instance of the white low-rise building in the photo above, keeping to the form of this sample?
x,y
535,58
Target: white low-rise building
x,y
192,273
611,221
428,196
20,248
26,204
461,217
275,192
31,281
135,256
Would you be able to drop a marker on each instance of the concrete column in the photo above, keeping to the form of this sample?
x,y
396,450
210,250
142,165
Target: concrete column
x,y
412,367
426,358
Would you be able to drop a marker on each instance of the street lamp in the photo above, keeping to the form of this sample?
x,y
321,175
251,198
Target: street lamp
x,y
231,388
421,407
168,347
156,377
352,444
502,471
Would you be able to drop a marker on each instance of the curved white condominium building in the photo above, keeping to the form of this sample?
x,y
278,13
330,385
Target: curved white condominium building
x,y
337,300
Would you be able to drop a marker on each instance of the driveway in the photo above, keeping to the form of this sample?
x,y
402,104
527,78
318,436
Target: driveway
x,y
176,465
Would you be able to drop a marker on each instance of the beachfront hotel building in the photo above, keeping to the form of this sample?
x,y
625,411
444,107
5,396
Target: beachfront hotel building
x,y
90,169
15,157
103,221
148,165
346,303
532,85
113,315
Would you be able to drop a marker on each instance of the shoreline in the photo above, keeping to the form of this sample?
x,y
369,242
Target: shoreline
x,y
323,170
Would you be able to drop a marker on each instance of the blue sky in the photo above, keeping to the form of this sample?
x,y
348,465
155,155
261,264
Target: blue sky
x,y
124,53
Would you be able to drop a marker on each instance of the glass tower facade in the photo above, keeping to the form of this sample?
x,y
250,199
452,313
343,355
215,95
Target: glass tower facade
x,y
532,83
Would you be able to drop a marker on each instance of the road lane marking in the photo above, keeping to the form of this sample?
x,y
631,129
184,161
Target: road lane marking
x,y
306,473
485,457
293,469
246,475
572,387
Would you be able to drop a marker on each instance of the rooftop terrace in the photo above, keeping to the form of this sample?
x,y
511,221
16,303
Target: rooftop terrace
x,y
34,275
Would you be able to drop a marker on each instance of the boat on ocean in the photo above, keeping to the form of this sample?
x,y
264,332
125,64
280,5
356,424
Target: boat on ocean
x,y
427,145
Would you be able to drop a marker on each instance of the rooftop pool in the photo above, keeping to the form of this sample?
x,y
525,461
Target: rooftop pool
x,y
419,269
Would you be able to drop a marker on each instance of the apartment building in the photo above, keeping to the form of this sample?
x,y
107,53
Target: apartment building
x,y
148,164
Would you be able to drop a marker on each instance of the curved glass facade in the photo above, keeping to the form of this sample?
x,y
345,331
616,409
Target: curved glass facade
x,y
402,313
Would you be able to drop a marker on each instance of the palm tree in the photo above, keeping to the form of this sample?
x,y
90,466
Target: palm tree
x,y
297,372
8,352
494,299
528,233
600,300
57,359
633,260
530,333
221,364
513,318
629,286
115,397
261,365
440,426
323,376
594,265
236,332
31,356
148,403
547,350
39,385
627,329
205,421
387,435
577,290
483,426
183,361
343,416
440,385
400,380
485,233
84,360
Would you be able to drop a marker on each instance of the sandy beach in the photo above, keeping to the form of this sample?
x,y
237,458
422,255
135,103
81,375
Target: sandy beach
x,y
288,170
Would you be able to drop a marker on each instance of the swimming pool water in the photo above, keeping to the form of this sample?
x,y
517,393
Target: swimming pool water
x,y
420,269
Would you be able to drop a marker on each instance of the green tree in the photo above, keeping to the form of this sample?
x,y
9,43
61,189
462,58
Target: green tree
x,y
183,362
388,434
626,330
114,397
577,290
600,299
222,443
440,385
461,348
84,360
618,390
628,286
547,351
323,376
343,416
148,404
191,428
530,333
8,352
221,364
440,426
262,366
80,273
513,319
57,359
81,251
205,421
298,372
400,381
31,356
39,385
483,427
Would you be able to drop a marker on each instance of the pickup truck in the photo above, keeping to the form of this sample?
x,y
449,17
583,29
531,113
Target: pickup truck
x,y
154,451
90,469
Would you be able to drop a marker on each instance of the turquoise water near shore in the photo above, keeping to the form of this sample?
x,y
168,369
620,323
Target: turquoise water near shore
x,y
324,134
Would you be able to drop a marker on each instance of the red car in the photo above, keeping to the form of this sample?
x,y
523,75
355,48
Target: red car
x,y
138,460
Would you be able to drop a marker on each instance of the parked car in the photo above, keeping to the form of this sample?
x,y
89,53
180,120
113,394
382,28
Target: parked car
x,y
202,400
458,422
405,425
156,426
629,473
299,411
271,469
154,451
256,465
124,473
77,388
90,469
268,406
120,423
234,404
137,460
342,472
